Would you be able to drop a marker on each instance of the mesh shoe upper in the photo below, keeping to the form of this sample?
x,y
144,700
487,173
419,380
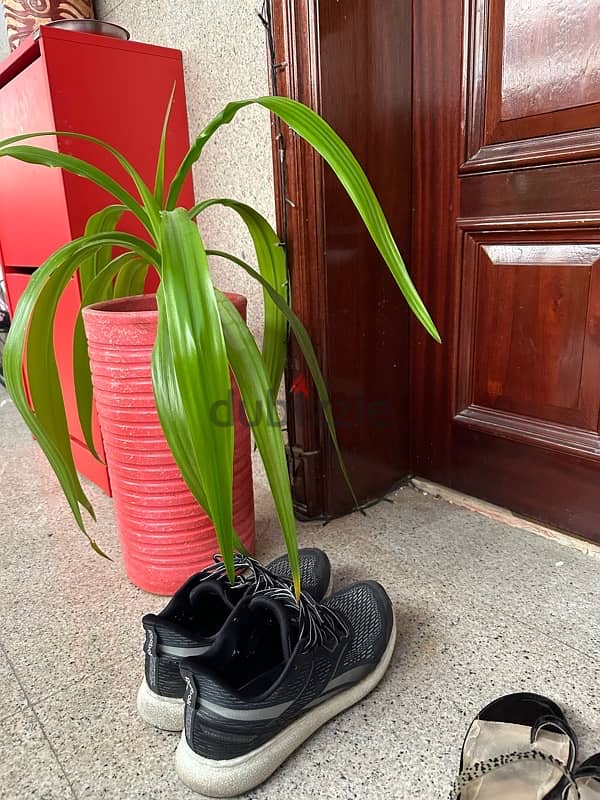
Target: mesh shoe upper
x,y
315,571
361,605
196,613
277,662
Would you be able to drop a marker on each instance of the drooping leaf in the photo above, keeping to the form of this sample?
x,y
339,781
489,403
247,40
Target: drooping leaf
x,y
30,342
312,362
49,158
270,257
172,416
188,305
255,389
99,289
321,136
103,221
146,195
49,424
130,282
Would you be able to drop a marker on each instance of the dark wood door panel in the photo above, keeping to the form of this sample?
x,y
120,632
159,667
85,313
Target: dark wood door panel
x,y
513,272
561,490
367,353
533,81
436,137
530,329
531,192
550,56
529,343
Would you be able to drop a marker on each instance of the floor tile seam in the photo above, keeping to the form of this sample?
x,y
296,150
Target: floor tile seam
x,y
39,723
17,679
14,713
54,752
568,645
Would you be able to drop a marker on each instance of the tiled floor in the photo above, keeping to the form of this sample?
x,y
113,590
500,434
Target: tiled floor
x,y
482,609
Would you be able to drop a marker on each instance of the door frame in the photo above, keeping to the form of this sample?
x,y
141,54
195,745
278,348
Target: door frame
x,y
439,84
306,67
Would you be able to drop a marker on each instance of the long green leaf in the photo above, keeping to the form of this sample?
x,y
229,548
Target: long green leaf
x,y
130,282
255,389
48,423
35,316
49,158
189,308
195,151
311,127
172,416
270,257
102,221
159,181
99,289
308,352
170,407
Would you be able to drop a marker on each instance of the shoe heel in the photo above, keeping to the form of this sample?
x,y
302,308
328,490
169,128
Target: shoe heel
x,y
165,713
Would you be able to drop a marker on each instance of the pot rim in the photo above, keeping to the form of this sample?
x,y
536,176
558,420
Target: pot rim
x,y
142,307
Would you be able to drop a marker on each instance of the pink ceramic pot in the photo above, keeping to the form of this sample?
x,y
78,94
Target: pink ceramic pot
x,y
165,534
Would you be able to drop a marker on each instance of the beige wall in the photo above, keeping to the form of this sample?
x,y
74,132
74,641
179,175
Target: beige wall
x,y
224,57
3,41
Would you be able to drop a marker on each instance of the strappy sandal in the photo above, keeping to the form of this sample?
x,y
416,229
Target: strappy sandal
x,y
587,781
519,747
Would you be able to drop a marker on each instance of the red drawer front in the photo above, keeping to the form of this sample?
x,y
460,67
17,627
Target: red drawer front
x,y
33,215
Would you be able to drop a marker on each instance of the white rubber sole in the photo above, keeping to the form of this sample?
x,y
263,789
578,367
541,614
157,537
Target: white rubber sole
x,y
165,713
235,776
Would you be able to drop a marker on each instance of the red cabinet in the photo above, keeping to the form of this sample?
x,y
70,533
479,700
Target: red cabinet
x,y
114,90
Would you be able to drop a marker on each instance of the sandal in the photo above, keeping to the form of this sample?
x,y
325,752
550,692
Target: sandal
x,y
519,747
587,781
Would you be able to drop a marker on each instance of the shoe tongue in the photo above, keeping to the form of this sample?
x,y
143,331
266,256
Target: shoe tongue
x,y
283,617
214,588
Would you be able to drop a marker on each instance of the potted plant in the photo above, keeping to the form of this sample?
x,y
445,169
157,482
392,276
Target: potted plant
x,y
200,336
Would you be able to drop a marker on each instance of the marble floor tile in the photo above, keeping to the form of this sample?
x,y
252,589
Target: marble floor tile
x,y
28,767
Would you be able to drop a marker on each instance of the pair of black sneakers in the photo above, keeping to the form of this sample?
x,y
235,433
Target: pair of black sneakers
x,y
248,673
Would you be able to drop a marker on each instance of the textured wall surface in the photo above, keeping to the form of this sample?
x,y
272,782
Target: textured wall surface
x,y
3,40
224,56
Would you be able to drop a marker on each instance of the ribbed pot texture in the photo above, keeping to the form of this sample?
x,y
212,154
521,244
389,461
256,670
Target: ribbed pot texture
x,y
165,534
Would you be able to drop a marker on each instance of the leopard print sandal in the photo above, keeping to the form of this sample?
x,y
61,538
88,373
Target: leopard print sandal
x,y
520,747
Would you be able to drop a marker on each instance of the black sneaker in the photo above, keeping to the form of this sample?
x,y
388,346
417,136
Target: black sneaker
x,y
189,624
276,674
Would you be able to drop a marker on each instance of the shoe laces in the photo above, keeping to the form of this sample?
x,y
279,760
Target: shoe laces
x,y
317,624
249,572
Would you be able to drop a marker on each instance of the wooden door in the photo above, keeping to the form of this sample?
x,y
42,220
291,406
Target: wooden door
x,y
351,61
506,250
